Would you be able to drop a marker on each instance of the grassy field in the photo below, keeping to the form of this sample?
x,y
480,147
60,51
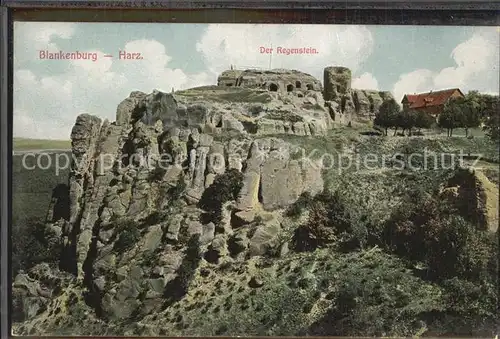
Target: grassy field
x,y
23,144
458,132
32,188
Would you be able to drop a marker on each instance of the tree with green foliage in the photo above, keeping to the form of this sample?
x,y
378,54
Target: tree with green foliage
x,y
303,202
406,120
471,114
484,103
423,120
462,113
492,125
489,114
386,116
452,116
445,120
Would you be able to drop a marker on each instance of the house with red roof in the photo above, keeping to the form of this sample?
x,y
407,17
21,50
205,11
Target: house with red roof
x,y
430,102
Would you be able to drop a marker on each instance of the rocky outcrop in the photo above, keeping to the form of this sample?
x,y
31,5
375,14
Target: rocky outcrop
x,y
126,108
367,102
475,196
136,183
218,110
123,207
33,292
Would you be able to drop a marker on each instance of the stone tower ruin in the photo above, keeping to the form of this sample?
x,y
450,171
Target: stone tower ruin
x,y
336,82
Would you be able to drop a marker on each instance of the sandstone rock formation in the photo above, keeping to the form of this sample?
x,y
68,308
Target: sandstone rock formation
x,y
367,102
471,191
123,172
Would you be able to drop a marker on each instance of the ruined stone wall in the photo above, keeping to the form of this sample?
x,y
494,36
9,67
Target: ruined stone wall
x,y
273,80
344,101
228,78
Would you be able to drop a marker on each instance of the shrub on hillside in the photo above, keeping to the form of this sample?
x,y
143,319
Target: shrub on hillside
x,y
470,309
155,218
303,202
126,240
432,231
31,245
492,126
376,295
178,190
226,187
330,220
157,174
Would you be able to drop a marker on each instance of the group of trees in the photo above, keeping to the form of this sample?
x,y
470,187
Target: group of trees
x,y
471,111
463,112
488,111
391,115
460,113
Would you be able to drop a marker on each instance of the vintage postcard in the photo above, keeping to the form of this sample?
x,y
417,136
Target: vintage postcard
x,y
243,180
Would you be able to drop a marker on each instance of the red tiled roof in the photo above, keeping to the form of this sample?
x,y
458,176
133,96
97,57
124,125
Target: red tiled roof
x,y
430,98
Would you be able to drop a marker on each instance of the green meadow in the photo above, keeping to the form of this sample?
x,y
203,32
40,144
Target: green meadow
x,y
24,144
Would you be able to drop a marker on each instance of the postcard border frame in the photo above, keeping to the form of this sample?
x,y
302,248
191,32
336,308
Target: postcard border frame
x,y
5,169
373,12
461,13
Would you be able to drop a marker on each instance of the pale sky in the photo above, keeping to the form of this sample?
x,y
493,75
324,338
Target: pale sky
x,y
50,94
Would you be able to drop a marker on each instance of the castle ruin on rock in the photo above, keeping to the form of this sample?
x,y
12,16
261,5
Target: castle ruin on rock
x,y
339,97
278,80
264,102
256,106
